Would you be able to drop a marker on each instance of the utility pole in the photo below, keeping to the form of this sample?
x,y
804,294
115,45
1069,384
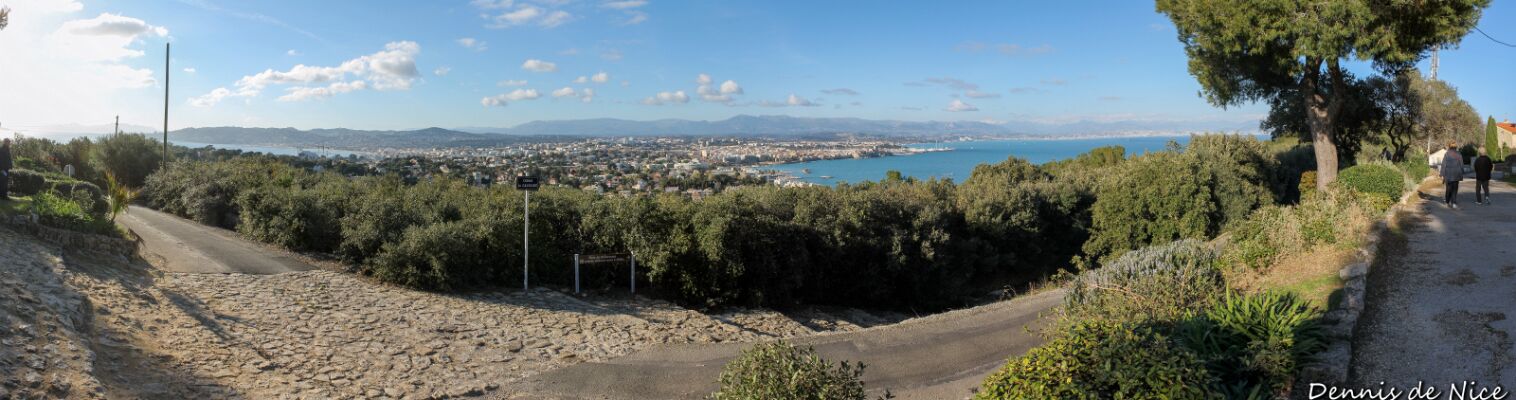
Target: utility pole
x,y
1434,62
117,130
165,105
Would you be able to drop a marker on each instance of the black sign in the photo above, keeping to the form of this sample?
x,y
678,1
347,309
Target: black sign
x,y
603,258
527,183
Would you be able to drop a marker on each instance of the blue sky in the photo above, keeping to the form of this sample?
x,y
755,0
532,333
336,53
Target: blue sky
x,y
402,65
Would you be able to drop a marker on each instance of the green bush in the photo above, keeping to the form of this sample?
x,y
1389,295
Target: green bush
x,y
1255,343
98,205
1102,361
1335,217
447,255
1162,282
1373,179
1167,196
26,182
131,157
66,213
300,220
781,371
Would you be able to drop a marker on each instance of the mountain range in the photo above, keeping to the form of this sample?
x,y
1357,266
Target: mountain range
x,y
741,125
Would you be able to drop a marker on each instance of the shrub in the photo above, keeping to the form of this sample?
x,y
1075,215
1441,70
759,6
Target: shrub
x,y
1335,217
26,182
446,255
781,371
1373,179
1307,183
97,203
1161,282
131,157
1163,197
293,218
1256,342
1101,361
66,213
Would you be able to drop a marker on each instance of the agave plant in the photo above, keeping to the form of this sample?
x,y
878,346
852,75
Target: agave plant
x,y
120,195
5,17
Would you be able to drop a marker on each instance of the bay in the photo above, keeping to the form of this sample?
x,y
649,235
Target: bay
x,y
956,160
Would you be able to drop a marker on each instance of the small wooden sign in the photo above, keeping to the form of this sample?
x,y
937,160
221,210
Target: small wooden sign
x,y
527,183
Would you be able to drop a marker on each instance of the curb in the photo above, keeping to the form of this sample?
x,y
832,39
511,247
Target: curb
x,y
1341,322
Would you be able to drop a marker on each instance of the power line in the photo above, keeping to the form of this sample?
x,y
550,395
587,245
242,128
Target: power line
x,y
1481,31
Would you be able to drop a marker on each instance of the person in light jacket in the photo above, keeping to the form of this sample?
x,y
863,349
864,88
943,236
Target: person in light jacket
x,y
1482,168
1452,173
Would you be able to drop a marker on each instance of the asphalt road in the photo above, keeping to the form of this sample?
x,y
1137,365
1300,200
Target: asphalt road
x,y
1442,309
181,245
945,356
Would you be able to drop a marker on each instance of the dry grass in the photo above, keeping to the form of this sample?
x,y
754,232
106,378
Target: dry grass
x,y
1312,275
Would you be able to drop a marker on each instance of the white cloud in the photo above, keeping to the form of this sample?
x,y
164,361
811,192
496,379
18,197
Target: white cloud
x,y
960,106
105,38
585,95
393,68
475,44
582,79
675,97
189,70
210,99
515,95
292,52
625,4
492,4
63,68
611,55
301,93
442,71
524,14
976,94
600,77
798,101
840,91
635,17
536,65
715,94
552,20
513,82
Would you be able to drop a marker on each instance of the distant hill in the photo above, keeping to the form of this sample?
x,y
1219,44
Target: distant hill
x,y
770,125
341,137
741,125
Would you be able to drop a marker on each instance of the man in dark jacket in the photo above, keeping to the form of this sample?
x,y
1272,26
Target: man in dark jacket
x,y
1482,168
1452,173
5,170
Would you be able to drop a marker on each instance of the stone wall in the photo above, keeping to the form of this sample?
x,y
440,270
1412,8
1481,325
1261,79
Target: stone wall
x,y
74,240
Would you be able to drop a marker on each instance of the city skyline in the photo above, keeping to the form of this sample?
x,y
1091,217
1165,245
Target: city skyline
x,y
504,63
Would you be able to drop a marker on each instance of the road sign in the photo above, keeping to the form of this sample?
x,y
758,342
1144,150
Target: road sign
x,y
527,183
603,258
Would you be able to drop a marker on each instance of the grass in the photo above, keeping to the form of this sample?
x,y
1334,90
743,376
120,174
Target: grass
x,y
18,205
1311,276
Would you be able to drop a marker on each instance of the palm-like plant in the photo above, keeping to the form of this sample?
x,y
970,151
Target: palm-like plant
x,y
5,17
120,195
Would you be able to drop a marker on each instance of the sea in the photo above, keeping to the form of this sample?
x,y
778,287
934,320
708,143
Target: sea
x,y
956,160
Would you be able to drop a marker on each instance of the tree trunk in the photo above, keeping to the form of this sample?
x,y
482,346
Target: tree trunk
x,y
1321,115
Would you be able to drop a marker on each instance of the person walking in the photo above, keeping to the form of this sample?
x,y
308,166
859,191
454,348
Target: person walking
x,y
1452,173
5,170
1482,168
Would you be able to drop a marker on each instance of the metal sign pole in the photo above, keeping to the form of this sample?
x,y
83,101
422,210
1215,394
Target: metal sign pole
x,y
526,238
576,274
634,274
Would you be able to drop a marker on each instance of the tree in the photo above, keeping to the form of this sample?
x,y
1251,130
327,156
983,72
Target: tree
x,y
1399,104
1443,116
1359,118
131,157
1243,51
1491,141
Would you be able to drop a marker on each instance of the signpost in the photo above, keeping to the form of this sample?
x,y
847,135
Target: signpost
x,y
527,185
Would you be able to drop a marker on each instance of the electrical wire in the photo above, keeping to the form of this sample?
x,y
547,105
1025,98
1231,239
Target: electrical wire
x,y
1481,31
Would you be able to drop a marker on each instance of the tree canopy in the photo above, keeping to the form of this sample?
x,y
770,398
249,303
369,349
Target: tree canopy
x,y
1244,51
